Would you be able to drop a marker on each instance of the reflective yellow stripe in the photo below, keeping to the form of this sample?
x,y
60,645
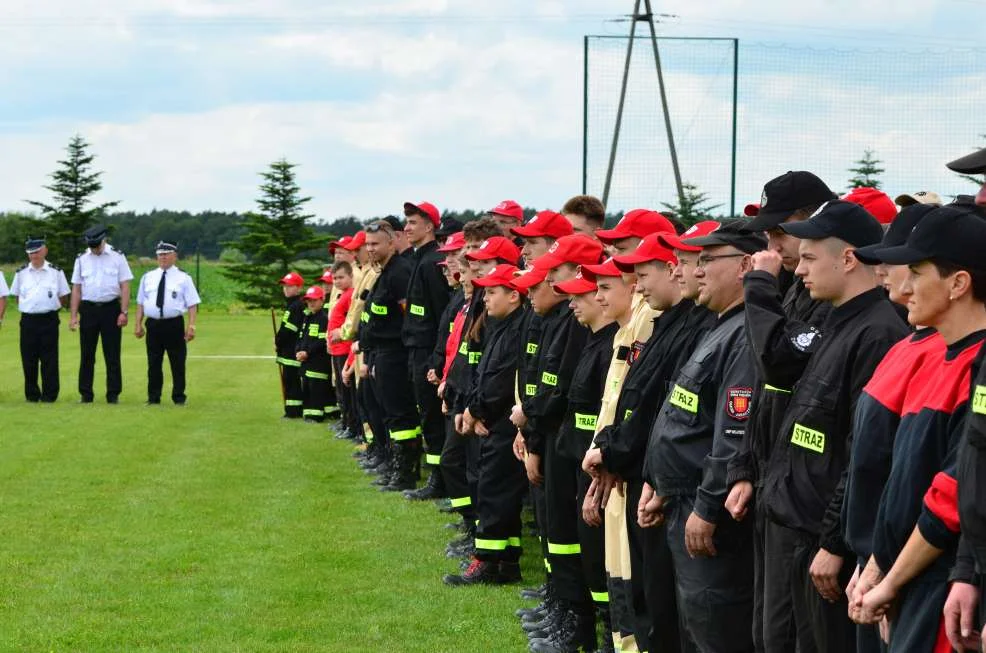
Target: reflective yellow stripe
x,y
767,386
513,541
313,330
684,399
600,597
547,565
807,438
564,549
585,423
290,327
316,375
464,348
979,400
406,434
367,432
417,310
288,361
548,378
364,317
451,327
377,309
627,414
433,459
491,545
474,357
461,502
532,348
312,412
294,402
530,389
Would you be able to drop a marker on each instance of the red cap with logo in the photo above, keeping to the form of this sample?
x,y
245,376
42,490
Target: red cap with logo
x,y
454,243
510,209
545,224
875,201
636,224
292,279
315,292
531,277
355,242
650,249
501,275
326,277
426,208
577,249
583,282
335,244
607,268
495,247
697,230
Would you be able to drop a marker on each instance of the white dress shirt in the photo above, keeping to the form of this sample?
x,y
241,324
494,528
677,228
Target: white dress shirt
x,y
4,290
100,275
38,290
179,293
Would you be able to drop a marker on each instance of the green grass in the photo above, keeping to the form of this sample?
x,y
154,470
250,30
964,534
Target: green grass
x,y
214,527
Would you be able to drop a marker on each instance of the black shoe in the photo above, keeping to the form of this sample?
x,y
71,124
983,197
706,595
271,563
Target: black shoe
x,y
112,400
179,402
399,483
343,434
479,572
152,403
534,593
545,625
383,480
575,633
510,573
85,400
424,493
445,506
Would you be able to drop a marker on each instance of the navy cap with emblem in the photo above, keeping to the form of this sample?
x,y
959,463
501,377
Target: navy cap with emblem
x,y
846,221
164,247
952,234
94,235
33,244
783,195
448,227
970,164
897,234
735,233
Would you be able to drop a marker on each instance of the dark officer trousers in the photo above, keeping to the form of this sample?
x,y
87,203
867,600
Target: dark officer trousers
x,y
453,465
316,383
345,396
716,594
372,415
592,540
775,626
165,337
395,394
828,625
561,527
429,405
99,321
501,486
39,347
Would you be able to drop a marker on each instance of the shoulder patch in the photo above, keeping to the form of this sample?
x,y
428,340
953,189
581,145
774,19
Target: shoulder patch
x,y
739,402
24,266
803,341
635,350
52,266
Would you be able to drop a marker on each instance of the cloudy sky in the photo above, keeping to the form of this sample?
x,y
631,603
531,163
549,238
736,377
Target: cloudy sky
x,y
466,103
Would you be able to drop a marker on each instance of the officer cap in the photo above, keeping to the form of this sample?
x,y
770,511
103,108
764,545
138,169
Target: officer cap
x,y
164,247
33,244
94,234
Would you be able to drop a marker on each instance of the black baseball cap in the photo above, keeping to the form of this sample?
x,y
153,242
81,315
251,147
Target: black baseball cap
x,y
735,233
784,195
847,221
950,233
970,164
897,233
394,222
447,227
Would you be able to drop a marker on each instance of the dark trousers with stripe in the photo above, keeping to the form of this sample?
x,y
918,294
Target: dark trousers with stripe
x,y
39,349
561,527
453,465
592,541
166,337
98,321
429,405
345,395
317,384
294,396
372,415
395,394
501,485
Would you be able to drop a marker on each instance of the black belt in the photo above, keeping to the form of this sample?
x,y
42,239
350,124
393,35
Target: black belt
x,y
163,319
48,314
115,300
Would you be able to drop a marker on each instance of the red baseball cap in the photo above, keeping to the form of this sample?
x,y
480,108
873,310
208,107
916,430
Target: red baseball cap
x,y
607,268
495,247
501,275
636,224
355,242
584,281
545,223
335,244
326,277
697,230
577,249
454,243
292,279
751,210
531,277
509,208
426,208
315,292
878,203
650,249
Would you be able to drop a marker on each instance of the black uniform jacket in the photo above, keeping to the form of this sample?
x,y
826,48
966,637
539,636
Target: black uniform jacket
x,y
492,395
971,471
676,333
311,340
462,373
702,421
806,474
427,296
530,345
385,306
585,394
444,330
288,330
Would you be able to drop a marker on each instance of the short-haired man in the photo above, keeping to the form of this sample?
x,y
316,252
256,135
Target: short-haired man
x,y
586,213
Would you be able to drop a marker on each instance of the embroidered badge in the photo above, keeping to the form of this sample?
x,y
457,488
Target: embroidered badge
x,y
738,403
803,340
635,350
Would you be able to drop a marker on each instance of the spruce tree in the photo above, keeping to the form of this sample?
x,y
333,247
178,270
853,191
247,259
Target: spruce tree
x,y
274,239
72,210
695,207
866,171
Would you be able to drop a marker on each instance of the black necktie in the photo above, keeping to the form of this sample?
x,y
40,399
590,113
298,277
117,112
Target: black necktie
x,y
160,294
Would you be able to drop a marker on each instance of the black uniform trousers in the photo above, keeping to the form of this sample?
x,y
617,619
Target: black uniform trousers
x,y
345,395
371,413
429,405
592,541
561,527
294,396
165,336
919,624
715,594
39,347
501,485
98,320
453,466
395,395
774,625
539,505
317,384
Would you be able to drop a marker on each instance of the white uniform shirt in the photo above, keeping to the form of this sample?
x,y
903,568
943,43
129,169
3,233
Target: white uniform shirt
x,y
179,293
4,290
38,290
101,275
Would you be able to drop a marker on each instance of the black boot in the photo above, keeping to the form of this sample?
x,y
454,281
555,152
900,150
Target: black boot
x,y
405,457
510,573
575,633
606,646
433,489
534,593
480,572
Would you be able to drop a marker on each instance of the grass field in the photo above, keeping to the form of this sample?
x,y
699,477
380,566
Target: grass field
x,y
214,527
